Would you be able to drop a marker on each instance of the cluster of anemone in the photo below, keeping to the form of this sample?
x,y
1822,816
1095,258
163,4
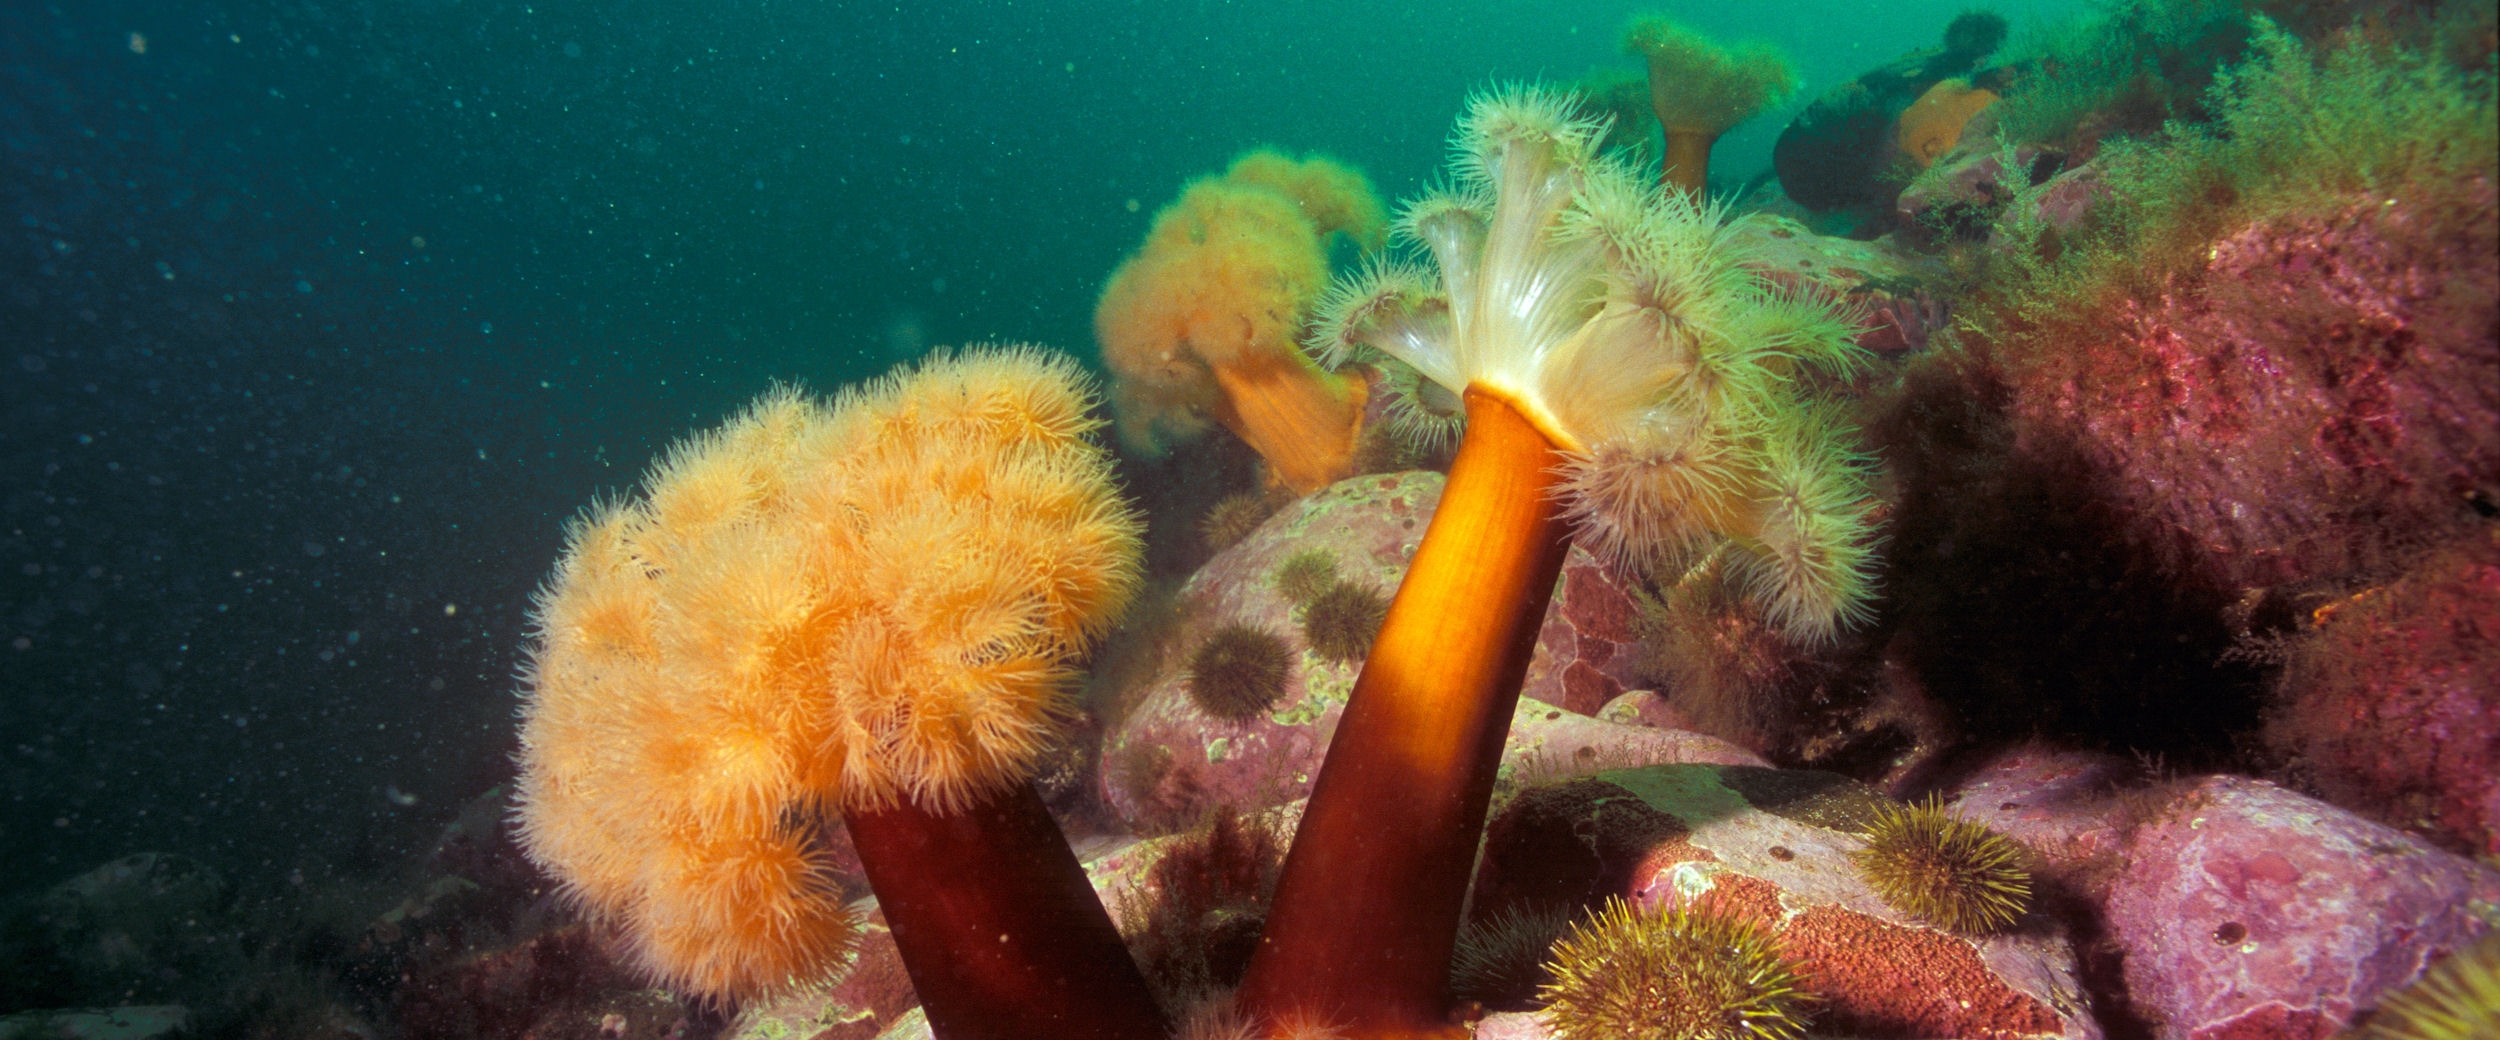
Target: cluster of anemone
x,y
865,611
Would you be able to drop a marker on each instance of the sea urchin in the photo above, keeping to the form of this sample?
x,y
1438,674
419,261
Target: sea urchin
x,y
1671,974
1305,575
2457,999
1501,956
1238,672
1341,622
1947,871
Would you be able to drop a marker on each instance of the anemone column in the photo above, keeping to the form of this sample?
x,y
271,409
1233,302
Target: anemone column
x,y
1390,834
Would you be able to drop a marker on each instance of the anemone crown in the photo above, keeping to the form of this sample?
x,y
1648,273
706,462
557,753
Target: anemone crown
x,y
1623,321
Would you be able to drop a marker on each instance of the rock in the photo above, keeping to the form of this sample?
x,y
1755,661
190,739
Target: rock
x,y
2245,910
1961,194
869,996
1584,655
912,1026
152,926
559,985
1966,192
2297,365
1511,1025
2390,702
2057,802
480,845
1644,708
1166,761
1774,845
2064,198
1547,743
1891,285
120,1023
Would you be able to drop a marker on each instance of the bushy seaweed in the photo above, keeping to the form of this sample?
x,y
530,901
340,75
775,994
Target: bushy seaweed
x,y
2296,266
2244,368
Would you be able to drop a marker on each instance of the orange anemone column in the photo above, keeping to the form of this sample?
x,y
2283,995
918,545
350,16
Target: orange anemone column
x,y
1366,914
999,929
1687,164
1301,419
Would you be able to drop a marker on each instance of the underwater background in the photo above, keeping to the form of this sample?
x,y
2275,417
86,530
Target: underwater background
x,y
2033,564
323,317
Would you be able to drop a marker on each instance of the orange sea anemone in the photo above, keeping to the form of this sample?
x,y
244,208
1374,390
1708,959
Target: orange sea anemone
x,y
1702,90
864,608
1932,125
1203,322
1337,198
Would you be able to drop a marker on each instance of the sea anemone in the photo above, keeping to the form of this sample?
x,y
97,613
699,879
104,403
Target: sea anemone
x,y
866,608
1621,98
1421,414
1944,870
1933,124
1238,672
1306,574
1201,322
1701,90
1625,376
1340,622
1337,198
1671,974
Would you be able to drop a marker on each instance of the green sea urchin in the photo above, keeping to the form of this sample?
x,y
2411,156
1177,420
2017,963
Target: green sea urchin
x,y
2457,999
1500,962
1238,672
1671,974
1339,624
1305,575
1233,517
1947,871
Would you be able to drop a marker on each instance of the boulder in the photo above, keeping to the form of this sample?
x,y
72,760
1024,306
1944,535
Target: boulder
x,y
1893,289
2245,910
1166,761
138,1022
2058,802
